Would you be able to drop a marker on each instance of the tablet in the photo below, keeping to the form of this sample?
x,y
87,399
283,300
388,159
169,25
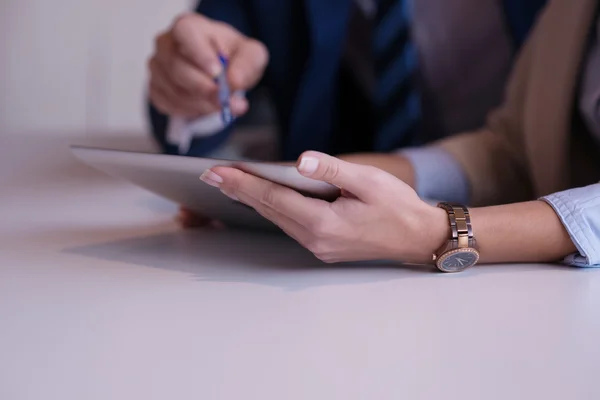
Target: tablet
x,y
177,178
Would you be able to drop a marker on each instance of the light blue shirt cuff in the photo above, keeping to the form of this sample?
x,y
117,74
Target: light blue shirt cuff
x,y
579,211
438,176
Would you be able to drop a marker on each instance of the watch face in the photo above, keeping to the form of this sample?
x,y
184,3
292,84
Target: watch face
x,y
458,260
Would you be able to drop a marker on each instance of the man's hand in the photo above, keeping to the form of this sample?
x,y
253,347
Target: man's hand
x,y
186,61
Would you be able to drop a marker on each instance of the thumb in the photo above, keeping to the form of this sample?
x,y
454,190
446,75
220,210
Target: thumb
x,y
247,64
362,181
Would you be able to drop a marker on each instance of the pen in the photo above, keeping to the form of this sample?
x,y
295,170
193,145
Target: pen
x,y
224,92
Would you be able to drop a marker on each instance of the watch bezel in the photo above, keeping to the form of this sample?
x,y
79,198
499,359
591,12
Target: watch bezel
x,y
442,257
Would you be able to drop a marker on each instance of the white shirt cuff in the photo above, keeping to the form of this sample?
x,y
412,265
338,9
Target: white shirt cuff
x,y
579,211
181,131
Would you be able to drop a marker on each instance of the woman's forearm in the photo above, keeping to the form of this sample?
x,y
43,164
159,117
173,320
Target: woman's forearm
x,y
521,232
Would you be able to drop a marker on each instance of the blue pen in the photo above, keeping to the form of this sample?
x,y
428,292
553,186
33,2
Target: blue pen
x,y
224,92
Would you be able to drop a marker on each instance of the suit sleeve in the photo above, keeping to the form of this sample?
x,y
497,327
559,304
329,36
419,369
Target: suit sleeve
x,y
234,13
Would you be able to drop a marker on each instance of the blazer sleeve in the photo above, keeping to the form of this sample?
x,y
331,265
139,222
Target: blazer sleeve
x,y
234,13
494,157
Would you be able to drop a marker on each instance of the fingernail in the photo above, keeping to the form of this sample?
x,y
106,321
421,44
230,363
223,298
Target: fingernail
x,y
215,70
211,178
237,101
231,196
308,165
238,105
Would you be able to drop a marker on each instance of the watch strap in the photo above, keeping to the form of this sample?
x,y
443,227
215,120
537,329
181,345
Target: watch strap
x,y
460,225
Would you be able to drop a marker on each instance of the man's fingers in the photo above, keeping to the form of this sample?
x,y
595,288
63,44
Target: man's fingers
x,y
190,219
170,103
239,105
365,182
193,41
173,105
191,80
170,99
164,101
247,64
187,61
164,48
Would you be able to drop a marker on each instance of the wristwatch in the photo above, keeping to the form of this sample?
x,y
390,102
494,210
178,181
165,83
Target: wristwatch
x,y
460,252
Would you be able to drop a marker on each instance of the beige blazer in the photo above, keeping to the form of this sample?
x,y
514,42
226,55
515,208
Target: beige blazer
x,y
529,148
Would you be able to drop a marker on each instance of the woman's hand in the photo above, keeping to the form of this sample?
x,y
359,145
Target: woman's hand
x,y
395,164
377,216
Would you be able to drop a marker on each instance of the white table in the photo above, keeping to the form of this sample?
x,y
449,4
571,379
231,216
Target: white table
x,y
102,296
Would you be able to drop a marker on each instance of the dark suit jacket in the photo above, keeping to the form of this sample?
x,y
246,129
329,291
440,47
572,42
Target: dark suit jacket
x,y
305,41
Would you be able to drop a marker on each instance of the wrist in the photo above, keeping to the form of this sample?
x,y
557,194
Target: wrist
x,y
430,231
437,230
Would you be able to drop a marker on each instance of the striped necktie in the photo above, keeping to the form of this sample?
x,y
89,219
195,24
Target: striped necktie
x,y
397,102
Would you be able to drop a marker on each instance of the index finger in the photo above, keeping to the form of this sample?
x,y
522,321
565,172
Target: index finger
x,y
193,42
286,201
